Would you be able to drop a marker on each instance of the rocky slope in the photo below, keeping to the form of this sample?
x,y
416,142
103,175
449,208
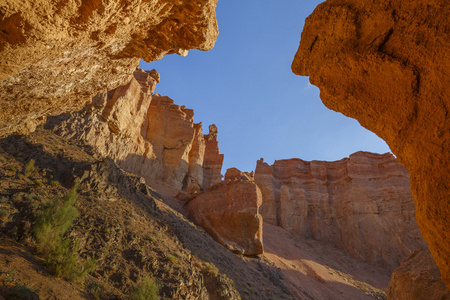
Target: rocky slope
x,y
123,223
361,204
386,64
56,55
147,135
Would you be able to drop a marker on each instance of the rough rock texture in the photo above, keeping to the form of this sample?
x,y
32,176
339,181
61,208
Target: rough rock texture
x,y
229,212
386,64
418,278
212,163
56,55
234,173
361,204
147,135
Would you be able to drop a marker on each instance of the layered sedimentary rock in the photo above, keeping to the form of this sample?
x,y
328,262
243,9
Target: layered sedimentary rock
x,y
56,55
386,64
145,134
229,212
361,204
417,278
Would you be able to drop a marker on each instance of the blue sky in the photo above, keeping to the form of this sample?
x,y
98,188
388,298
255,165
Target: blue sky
x,y
246,87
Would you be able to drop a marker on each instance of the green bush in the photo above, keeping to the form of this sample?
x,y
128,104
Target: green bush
x,y
29,168
4,213
53,222
146,289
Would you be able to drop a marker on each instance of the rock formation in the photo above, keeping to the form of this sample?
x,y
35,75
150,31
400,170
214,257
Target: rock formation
x,y
212,164
417,278
56,55
229,212
386,64
361,204
147,135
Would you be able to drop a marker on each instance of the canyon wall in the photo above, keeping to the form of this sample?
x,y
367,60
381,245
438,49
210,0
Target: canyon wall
x,y
361,204
56,55
146,134
387,64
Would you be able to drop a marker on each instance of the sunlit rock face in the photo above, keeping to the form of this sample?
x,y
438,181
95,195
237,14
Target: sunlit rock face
x,y
56,55
146,134
387,64
361,204
417,278
229,212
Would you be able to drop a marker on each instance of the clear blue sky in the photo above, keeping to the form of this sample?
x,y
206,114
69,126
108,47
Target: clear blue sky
x,y
246,87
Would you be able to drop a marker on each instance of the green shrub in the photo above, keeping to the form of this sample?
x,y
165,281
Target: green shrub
x,y
29,168
13,169
54,183
171,258
4,213
53,222
146,289
38,182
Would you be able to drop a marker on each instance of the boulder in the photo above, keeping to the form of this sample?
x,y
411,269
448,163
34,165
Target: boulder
x,y
229,212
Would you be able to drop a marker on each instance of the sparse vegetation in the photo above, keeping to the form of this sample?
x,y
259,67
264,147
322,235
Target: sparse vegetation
x,y
38,182
29,168
146,289
171,258
22,291
54,183
4,213
13,169
211,269
52,224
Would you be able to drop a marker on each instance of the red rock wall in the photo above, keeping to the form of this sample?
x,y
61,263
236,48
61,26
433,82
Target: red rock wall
x,y
56,55
147,135
362,204
387,64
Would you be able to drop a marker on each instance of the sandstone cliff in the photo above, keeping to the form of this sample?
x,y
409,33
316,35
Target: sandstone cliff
x,y
361,204
147,135
386,64
56,55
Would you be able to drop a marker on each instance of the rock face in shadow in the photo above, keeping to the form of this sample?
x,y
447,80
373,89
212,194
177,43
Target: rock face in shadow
x,y
56,55
229,212
386,64
212,164
147,135
417,278
361,204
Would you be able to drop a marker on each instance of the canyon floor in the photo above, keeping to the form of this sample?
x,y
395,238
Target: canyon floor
x,y
133,229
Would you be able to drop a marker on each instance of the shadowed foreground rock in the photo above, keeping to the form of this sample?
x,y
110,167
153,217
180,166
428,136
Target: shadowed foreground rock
x,y
417,278
56,55
361,204
229,212
386,64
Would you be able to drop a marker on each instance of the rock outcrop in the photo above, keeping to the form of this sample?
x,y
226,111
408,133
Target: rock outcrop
x,y
361,204
417,278
229,212
146,134
386,64
56,55
212,163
